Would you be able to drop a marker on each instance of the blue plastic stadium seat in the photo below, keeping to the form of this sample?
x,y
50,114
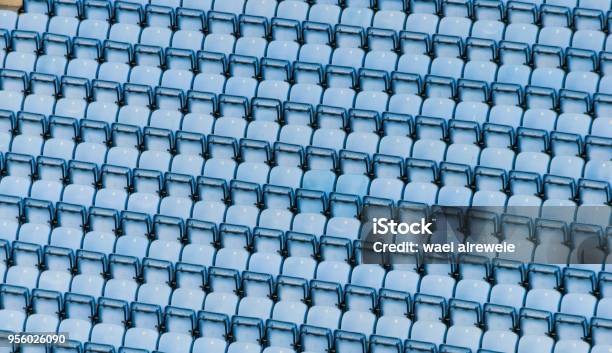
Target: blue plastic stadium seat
x,y
423,192
124,152
17,182
7,125
122,285
235,7
145,75
368,275
405,104
315,53
289,311
299,266
211,206
535,162
333,271
273,89
65,21
110,331
74,98
455,26
166,119
527,342
8,19
188,298
488,29
189,35
54,59
480,70
42,98
401,280
31,128
92,148
209,82
571,346
454,196
569,304
256,307
283,50
389,19
127,29
582,81
555,36
93,28
158,143
605,85
178,75
293,10
597,170
601,348
209,344
567,166
543,299
463,154
86,52
306,93
324,316
10,213
588,39
602,127
99,241
79,309
393,326
506,115
521,32
263,8
23,58
472,290
446,66
12,311
548,77
324,13
358,321
595,5
177,338
414,63
543,119
224,303
63,133
35,22
429,149
198,123
510,295
517,74
116,68
350,57
499,341
158,33
113,194
155,290
48,187
36,228
464,336
142,336
573,123
428,331
24,273
357,16
422,22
